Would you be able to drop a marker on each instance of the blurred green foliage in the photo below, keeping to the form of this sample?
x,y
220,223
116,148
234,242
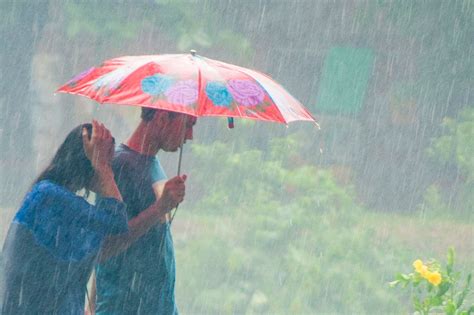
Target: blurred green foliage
x,y
276,238
106,22
456,144
269,235
439,41
454,149
188,23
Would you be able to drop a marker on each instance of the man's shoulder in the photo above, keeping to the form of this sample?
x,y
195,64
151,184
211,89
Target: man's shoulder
x,y
124,153
122,150
124,156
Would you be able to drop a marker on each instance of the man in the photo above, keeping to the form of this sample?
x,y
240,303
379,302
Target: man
x,y
141,279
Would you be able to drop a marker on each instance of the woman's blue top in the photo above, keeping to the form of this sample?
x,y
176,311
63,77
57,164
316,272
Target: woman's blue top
x,y
51,247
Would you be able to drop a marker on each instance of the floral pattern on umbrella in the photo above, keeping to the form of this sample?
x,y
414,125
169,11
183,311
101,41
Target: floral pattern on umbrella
x,y
156,84
218,93
183,92
246,92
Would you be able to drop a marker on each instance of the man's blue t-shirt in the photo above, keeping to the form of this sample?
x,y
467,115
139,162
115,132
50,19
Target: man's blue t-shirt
x,y
141,279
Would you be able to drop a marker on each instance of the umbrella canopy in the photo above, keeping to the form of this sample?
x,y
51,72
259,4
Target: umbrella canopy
x,y
190,84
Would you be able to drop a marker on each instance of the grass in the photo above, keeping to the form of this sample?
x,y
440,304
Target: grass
x,y
427,236
398,239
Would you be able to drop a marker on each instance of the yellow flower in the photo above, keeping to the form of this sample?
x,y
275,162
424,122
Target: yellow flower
x,y
421,268
424,272
418,264
434,278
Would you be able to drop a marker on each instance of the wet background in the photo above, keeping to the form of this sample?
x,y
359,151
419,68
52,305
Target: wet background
x,y
277,219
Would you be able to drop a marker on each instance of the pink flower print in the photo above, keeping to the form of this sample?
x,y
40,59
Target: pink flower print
x,y
183,92
79,77
112,79
246,92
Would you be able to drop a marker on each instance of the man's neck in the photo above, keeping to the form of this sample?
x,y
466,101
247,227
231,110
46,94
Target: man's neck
x,y
140,141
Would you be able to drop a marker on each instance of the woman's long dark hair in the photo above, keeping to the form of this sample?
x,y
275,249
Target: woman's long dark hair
x,y
70,166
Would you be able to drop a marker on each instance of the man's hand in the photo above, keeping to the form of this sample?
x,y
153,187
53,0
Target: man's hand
x,y
173,193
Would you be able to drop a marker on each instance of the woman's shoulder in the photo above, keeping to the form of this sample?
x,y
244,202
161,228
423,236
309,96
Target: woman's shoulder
x,y
48,187
49,193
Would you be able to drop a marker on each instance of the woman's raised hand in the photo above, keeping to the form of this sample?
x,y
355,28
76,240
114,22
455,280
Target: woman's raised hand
x,y
99,148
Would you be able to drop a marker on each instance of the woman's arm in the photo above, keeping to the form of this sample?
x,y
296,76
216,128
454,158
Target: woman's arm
x,y
91,295
105,185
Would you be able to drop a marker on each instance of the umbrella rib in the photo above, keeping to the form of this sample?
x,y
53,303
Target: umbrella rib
x,y
199,86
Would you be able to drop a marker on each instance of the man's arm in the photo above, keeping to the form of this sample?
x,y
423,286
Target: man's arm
x,y
170,195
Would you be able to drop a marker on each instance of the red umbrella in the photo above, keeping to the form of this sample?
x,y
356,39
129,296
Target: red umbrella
x,y
190,84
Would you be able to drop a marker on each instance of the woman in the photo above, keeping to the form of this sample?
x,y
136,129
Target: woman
x,y
56,235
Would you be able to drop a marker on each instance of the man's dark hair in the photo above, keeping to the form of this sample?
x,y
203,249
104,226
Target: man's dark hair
x,y
70,166
148,113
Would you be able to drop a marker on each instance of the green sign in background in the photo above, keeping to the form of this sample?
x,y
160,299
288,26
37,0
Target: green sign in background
x,y
344,80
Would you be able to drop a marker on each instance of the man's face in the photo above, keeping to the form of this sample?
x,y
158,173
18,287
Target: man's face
x,y
177,130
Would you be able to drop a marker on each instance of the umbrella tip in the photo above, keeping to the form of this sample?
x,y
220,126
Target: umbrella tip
x,y
193,52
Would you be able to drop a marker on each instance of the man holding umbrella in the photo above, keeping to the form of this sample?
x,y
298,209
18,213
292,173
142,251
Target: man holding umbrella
x,y
141,279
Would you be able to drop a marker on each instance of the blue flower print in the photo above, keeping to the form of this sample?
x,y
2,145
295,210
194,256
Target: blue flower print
x,y
218,94
156,84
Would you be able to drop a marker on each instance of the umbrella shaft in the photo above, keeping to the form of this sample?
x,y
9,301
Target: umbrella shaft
x,y
179,173
180,158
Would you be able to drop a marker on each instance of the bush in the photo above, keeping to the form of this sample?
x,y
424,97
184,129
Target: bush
x,y
436,288
272,238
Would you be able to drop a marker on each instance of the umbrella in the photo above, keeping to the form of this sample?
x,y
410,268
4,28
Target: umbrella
x,y
189,84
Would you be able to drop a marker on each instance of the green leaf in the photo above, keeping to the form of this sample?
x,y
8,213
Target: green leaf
x,y
450,262
450,308
436,301
402,277
417,304
464,292
443,288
